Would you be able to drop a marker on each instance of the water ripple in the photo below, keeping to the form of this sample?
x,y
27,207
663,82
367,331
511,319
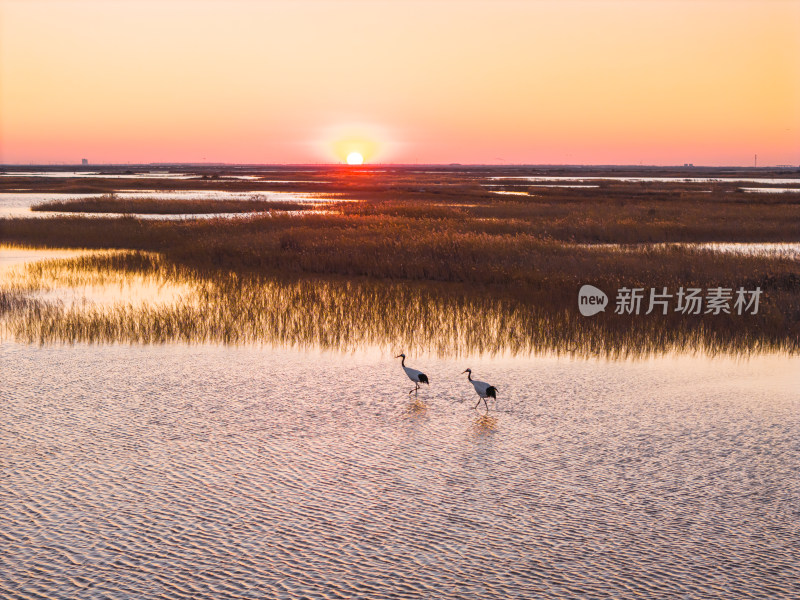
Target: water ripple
x,y
212,472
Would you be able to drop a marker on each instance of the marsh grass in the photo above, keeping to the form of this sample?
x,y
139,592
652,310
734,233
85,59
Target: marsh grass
x,y
111,203
622,213
450,260
342,314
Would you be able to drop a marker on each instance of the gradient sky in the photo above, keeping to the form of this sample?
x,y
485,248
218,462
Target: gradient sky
x,y
440,81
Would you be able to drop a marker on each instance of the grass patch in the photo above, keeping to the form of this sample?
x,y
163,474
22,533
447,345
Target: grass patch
x,y
338,313
111,203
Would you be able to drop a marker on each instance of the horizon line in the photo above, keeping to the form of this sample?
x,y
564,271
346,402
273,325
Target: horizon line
x,y
361,166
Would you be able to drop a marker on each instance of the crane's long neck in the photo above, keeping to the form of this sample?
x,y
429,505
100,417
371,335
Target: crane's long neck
x,y
469,375
403,361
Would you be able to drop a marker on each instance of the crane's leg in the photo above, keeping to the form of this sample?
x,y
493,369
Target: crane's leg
x,y
414,391
486,405
476,406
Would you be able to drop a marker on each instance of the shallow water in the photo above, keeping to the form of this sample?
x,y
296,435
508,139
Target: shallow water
x,y
788,250
771,190
133,292
211,472
207,471
762,180
541,185
776,249
100,175
75,289
558,185
13,256
14,204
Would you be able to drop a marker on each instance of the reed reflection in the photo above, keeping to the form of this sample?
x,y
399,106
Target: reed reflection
x,y
416,408
484,425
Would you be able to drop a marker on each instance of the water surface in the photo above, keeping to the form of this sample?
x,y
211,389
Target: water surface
x,y
788,250
762,180
101,175
199,470
762,190
216,472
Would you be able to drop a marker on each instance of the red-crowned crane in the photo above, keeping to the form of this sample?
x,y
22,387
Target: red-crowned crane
x,y
416,376
483,389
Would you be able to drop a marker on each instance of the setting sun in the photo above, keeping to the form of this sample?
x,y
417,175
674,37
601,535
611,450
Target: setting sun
x,y
355,158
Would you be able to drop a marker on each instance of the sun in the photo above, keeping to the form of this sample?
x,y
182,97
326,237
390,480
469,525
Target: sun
x,y
355,158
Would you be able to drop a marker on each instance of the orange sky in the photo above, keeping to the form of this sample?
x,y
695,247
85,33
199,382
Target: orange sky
x,y
439,81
